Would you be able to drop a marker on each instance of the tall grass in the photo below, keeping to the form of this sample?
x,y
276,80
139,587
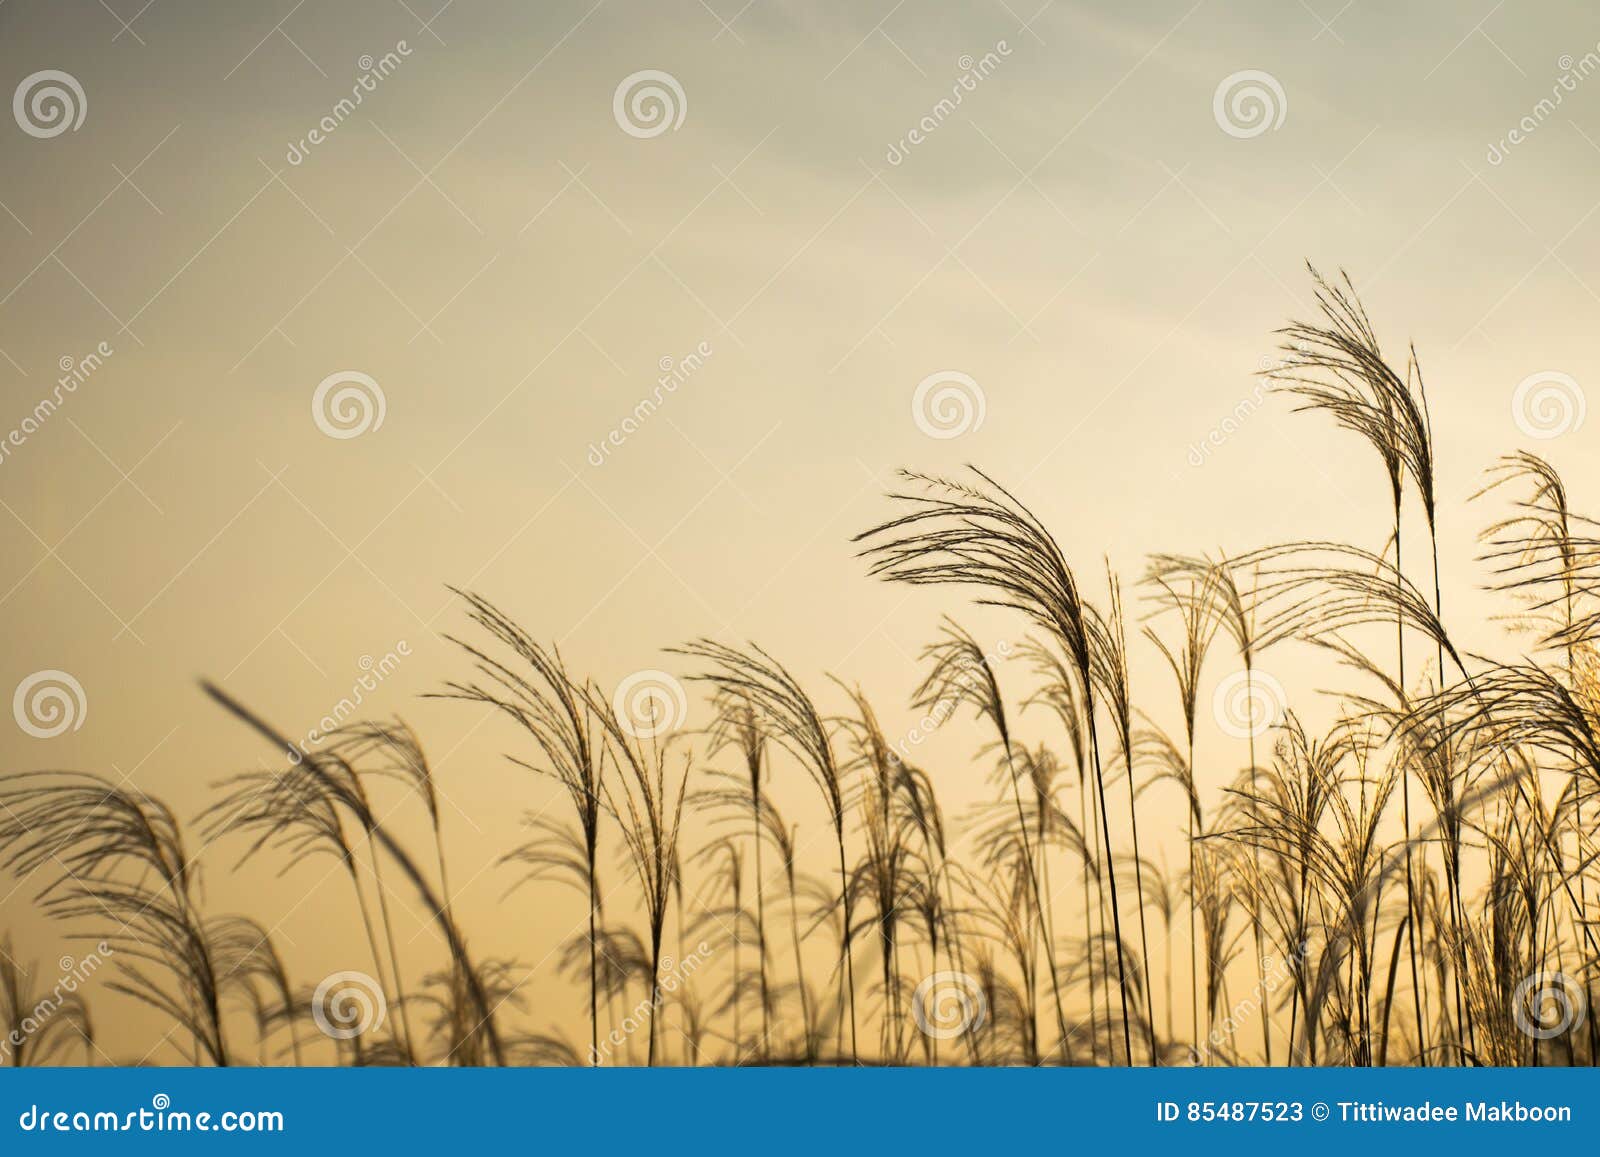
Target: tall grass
x,y
1405,861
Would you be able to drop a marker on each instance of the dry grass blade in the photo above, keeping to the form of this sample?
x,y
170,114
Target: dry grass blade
x,y
791,721
1336,366
981,536
354,802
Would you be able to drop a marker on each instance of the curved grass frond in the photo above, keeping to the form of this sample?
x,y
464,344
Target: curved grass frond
x,y
981,536
1336,366
791,721
345,790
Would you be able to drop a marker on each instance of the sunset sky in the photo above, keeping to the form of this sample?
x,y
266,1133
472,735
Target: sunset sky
x,y
1082,238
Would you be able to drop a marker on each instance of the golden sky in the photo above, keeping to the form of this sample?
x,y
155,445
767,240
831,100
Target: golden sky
x,y
1081,236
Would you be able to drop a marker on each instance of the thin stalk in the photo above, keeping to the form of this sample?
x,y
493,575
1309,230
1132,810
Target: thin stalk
x,y
1405,792
394,955
1116,915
